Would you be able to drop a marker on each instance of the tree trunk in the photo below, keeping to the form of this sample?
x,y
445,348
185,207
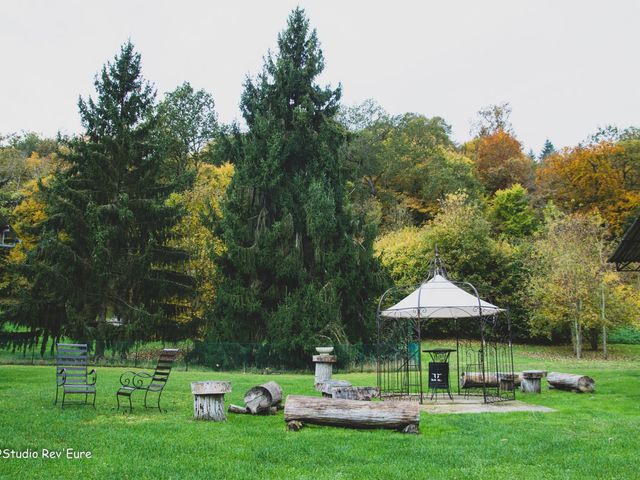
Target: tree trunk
x,y
100,334
568,381
351,413
579,330
593,337
604,327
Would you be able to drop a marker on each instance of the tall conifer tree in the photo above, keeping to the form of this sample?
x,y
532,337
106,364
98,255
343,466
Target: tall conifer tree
x,y
298,263
103,251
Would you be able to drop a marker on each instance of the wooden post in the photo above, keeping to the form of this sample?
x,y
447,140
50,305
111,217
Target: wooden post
x,y
208,400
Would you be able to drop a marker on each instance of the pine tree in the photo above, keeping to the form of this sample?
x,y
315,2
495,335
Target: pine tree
x,y
103,250
547,149
298,263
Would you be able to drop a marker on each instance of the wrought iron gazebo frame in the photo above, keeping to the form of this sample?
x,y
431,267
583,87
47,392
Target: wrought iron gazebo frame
x,y
488,349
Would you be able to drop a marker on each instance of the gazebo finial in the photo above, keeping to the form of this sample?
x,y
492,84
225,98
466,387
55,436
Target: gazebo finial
x,y
437,265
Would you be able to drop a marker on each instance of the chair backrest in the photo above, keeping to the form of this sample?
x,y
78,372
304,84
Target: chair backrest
x,y
73,358
163,368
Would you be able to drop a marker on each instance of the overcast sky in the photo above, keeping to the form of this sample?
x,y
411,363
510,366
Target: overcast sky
x,y
566,67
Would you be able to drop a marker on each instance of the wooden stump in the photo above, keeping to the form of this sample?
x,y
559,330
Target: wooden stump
x,y
208,400
568,381
403,416
532,381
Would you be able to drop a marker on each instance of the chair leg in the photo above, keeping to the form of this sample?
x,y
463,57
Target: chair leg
x,y
118,400
64,394
159,395
145,398
94,400
56,400
130,405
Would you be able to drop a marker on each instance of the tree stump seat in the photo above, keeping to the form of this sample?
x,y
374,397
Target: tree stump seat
x,y
532,381
208,399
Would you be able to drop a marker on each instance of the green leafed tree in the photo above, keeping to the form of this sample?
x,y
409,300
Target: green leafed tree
x,y
572,287
187,123
102,257
511,212
298,262
471,250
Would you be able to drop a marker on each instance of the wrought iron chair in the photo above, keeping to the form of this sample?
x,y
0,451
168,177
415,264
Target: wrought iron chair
x,y
148,382
72,374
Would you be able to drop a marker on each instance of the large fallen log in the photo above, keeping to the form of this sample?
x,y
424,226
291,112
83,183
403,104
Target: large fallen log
x,y
300,410
263,397
474,379
568,381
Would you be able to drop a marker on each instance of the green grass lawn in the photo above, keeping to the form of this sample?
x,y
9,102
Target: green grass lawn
x,y
590,436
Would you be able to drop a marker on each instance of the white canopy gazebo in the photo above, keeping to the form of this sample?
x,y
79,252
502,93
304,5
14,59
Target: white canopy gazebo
x,y
440,298
484,356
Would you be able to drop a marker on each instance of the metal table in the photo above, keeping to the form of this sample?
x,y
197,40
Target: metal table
x,y
439,370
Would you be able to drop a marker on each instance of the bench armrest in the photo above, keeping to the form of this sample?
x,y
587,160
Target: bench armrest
x,y
135,379
61,376
93,374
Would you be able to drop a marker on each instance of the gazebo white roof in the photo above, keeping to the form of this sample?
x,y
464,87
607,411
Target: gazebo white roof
x,y
440,298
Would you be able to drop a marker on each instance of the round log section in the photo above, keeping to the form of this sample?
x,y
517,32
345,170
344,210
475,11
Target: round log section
x,y
568,381
263,397
208,400
532,381
300,410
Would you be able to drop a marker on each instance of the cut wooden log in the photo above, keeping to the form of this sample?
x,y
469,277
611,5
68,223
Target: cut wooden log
x,y
352,413
474,379
355,393
237,409
263,397
568,381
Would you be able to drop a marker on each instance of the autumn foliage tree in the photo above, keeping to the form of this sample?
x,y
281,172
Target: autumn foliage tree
x,y
500,161
591,178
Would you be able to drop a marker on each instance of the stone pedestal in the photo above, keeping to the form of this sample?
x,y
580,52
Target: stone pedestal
x,y
208,400
324,368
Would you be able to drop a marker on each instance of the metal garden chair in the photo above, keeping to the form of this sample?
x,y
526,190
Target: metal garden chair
x,y
72,374
146,381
